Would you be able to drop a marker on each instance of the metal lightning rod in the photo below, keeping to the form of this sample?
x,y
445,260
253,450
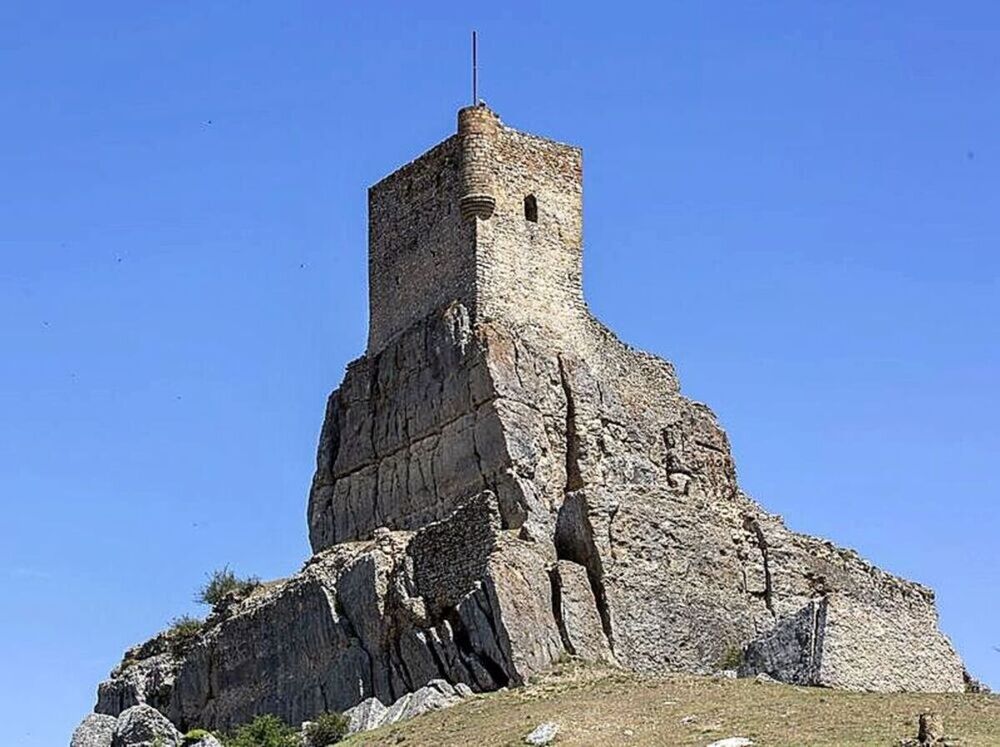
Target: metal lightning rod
x,y
475,72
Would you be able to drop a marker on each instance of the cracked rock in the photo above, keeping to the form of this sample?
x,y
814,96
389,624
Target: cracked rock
x,y
500,481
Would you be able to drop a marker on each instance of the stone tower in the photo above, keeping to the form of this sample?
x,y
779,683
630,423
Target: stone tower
x,y
491,218
500,481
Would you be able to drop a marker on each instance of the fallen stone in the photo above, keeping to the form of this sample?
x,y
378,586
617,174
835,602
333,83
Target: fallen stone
x,y
435,695
96,730
542,734
733,742
427,698
365,716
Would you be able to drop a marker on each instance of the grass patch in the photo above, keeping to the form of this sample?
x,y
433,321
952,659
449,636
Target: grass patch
x,y
598,706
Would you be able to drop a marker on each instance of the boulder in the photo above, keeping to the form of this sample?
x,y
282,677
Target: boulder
x,y
144,726
365,716
435,695
542,734
96,730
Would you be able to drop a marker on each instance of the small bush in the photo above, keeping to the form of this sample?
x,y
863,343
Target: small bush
x,y
184,626
183,633
264,731
732,658
223,582
196,735
327,729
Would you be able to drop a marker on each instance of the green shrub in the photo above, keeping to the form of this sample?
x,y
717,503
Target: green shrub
x,y
183,633
223,582
732,658
327,729
196,735
264,731
184,626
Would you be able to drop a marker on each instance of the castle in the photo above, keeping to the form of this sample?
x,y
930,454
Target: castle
x,y
500,482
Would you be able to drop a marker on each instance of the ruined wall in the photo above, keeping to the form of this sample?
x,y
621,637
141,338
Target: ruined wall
x,y
460,600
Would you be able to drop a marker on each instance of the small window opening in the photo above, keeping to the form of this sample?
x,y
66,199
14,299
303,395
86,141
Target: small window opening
x,y
531,209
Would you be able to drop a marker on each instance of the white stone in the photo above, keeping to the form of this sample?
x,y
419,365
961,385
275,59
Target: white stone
x,y
543,733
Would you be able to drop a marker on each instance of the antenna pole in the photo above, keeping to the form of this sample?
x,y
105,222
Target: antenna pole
x,y
475,72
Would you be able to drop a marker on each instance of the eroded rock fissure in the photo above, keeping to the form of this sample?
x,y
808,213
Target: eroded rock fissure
x,y
816,642
574,541
758,533
555,583
463,640
574,479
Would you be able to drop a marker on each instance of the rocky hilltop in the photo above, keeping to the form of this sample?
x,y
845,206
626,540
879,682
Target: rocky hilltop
x,y
501,482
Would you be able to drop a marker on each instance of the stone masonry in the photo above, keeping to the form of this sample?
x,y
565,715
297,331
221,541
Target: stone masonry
x,y
500,481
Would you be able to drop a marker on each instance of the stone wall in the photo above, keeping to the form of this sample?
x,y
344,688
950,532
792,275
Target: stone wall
x,y
459,600
420,251
530,272
451,227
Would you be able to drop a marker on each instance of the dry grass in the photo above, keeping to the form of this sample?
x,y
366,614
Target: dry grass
x,y
601,707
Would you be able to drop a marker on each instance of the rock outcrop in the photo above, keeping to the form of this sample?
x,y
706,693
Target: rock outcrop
x,y
144,726
435,695
496,488
96,730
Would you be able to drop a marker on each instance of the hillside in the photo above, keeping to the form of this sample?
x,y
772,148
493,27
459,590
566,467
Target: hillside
x,y
597,706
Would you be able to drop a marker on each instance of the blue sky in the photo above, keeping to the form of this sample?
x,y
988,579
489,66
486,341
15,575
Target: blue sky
x,y
796,203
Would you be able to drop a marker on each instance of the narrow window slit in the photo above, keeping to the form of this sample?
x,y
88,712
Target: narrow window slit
x,y
531,209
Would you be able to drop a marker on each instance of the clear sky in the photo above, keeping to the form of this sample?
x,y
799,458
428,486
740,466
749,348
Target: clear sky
x,y
796,203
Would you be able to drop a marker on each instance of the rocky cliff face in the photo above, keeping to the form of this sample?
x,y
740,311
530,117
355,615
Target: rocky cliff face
x,y
484,504
501,482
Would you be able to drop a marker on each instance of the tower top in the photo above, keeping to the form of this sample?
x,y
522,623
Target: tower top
x,y
490,218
